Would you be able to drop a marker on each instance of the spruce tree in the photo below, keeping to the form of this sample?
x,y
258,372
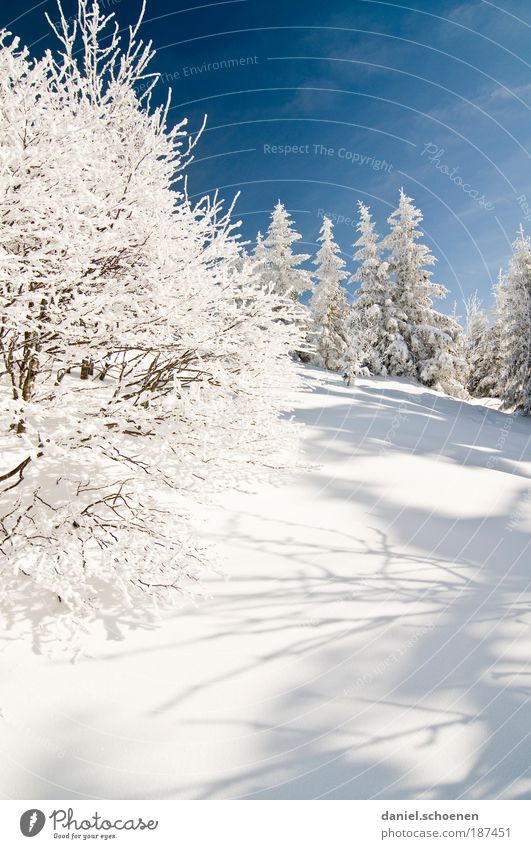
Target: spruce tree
x,y
361,340
279,265
259,259
425,344
476,345
516,329
372,302
490,384
328,304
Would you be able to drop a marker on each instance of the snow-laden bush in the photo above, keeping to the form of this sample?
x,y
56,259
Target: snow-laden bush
x,y
141,360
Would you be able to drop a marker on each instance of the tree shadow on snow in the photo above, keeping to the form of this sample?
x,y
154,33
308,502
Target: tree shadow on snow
x,y
390,662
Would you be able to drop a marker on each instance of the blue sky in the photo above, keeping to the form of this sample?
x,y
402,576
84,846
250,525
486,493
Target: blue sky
x,y
324,103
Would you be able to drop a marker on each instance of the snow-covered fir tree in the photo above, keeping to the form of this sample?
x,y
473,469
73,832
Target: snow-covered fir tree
x,y
516,329
372,299
279,265
476,345
260,260
328,303
424,344
492,350
142,362
361,336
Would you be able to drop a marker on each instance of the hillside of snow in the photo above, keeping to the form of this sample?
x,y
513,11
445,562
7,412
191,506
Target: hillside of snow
x,y
371,637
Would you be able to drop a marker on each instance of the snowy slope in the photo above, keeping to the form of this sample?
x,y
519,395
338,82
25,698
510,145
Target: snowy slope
x,y
373,638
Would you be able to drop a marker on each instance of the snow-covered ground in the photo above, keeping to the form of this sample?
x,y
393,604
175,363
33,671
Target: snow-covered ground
x,y
372,638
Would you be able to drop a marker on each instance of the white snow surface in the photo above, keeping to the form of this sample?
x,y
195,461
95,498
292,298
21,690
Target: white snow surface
x,y
371,638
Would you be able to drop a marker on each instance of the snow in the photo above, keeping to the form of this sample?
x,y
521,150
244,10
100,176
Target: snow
x,y
371,637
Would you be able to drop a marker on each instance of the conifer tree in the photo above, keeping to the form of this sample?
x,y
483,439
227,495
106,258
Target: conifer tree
x,y
328,304
490,379
259,258
476,344
372,299
516,329
425,344
361,333
279,264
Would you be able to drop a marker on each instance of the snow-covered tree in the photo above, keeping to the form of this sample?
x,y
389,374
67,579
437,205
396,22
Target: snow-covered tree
x,y
516,329
476,345
372,299
361,336
328,303
425,344
491,349
279,264
142,361
260,260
